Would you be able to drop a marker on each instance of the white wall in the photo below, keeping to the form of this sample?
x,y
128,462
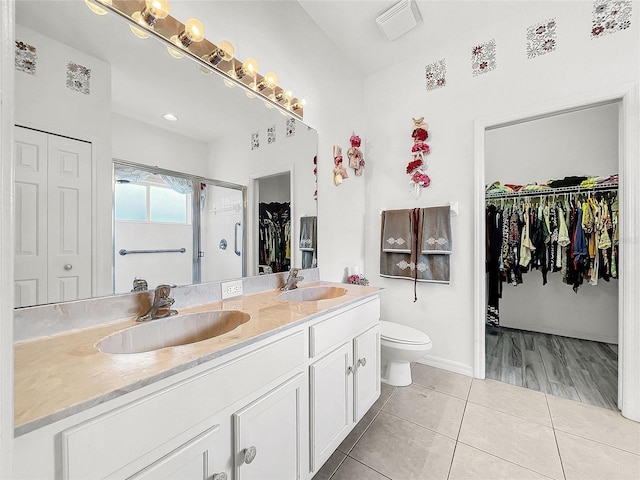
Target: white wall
x,y
139,142
275,189
584,142
579,66
44,102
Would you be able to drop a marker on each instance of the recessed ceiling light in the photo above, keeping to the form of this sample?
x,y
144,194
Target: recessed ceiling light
x,y
171,117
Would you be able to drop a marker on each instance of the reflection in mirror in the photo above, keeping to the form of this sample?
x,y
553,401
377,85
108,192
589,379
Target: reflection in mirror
x,y
98,85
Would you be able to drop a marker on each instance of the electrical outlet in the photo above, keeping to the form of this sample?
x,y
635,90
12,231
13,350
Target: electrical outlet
x,y
231,289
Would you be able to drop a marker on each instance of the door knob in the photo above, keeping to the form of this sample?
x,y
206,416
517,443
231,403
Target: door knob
x,y
249,454
68,266
219,476
362,362
349,370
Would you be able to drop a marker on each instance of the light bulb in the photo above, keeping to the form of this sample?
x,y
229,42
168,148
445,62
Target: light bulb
x,y
158,9
172,51
137,16
229,83
96,9
226,50
271,80
248,67
194,30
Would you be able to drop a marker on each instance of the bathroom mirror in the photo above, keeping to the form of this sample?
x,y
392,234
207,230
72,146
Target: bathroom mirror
x,y
81,76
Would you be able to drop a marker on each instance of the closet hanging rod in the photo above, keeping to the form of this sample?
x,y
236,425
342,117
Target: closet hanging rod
x,y
553,191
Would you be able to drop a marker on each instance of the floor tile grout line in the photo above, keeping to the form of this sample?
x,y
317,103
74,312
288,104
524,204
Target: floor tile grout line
x,y
338,467
453,455
436,390
511,415
422,426
596,441
555,437
362,434
464,411
368,466
504,459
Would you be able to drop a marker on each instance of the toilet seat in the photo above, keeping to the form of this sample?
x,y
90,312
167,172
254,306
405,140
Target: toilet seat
x,y
402,334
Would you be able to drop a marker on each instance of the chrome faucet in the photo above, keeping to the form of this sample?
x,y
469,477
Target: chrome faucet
x,y
292,280
162,303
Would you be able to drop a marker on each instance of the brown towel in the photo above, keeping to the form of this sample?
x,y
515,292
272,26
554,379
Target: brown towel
x,y
436,230
396,231
414,263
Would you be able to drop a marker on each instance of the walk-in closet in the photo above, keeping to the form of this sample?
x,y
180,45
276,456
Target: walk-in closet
x,y
552,254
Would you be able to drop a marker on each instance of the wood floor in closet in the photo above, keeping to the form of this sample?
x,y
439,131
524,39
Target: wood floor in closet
x,y
581,370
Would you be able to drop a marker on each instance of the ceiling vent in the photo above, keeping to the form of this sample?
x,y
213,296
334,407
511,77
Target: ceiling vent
x,y
399,19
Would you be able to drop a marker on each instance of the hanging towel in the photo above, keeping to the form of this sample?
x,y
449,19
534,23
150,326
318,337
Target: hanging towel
x,y
397,234
436,230
308,241
411,263
308,233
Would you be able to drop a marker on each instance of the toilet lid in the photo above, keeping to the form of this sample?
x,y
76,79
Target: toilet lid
x,y
403,334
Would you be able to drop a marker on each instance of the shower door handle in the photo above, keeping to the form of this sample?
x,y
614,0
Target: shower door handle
x,y
235,243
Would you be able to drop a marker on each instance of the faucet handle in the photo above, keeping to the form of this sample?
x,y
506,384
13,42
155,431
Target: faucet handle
x,y
163,291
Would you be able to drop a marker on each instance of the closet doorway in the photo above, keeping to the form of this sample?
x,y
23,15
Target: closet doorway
x,y
274,223
552,320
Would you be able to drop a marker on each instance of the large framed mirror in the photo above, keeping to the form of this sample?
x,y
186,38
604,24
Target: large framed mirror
x,y
84,82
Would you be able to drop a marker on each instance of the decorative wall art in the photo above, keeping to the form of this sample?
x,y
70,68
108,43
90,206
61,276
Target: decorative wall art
x,y
483,58
255,140
79,78
610,16
291,127
339,172
541,38
271,134
416,167
26,58
356,158
435,74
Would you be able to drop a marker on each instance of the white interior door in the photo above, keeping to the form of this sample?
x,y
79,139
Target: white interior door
x,y
30,248
53,218
69,229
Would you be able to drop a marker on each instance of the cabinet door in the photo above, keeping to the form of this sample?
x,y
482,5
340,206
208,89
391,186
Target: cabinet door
x,y
192,461
331,393
366,348
269,434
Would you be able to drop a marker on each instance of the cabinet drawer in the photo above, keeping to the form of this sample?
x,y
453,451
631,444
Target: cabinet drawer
x,y
335,330
101,446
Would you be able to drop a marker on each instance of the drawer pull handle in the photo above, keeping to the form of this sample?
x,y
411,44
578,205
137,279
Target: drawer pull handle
x,y
349,370
362,362
249,454
219,476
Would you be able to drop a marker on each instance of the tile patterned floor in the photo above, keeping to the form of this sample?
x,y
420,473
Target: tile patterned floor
x,y
452,427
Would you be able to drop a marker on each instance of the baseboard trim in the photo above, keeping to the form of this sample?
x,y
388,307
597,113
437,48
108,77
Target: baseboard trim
x,y
594,337
449,365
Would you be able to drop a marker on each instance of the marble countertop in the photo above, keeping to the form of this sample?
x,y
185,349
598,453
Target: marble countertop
x,y
61,375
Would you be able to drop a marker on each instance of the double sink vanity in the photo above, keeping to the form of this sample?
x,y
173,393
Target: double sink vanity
x,y
264,385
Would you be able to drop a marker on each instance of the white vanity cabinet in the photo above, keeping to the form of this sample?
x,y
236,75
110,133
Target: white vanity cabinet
x,y
270,434
344,381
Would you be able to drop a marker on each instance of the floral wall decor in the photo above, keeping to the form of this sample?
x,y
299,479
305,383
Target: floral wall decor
x,y
435,75
483,58
271,134
26,58
610,16
255,140
416,167
291,127
315,173
541,38
356,158
78,78
339,172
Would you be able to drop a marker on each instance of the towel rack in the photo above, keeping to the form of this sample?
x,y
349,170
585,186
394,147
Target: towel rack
x,y
167,250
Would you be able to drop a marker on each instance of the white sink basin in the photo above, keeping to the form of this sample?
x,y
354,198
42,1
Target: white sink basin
x,y
172,331
312,294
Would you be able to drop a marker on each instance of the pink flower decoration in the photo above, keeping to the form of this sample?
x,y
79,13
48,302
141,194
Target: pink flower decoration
x,y
421,179
420,147
355,141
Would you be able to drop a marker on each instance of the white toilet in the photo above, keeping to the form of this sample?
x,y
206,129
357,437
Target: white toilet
x,y
400,345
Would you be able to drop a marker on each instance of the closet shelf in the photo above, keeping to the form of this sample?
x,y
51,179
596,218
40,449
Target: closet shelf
x,y
554,191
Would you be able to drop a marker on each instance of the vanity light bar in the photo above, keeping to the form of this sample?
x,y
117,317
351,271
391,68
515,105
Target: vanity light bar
x,y
165,28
